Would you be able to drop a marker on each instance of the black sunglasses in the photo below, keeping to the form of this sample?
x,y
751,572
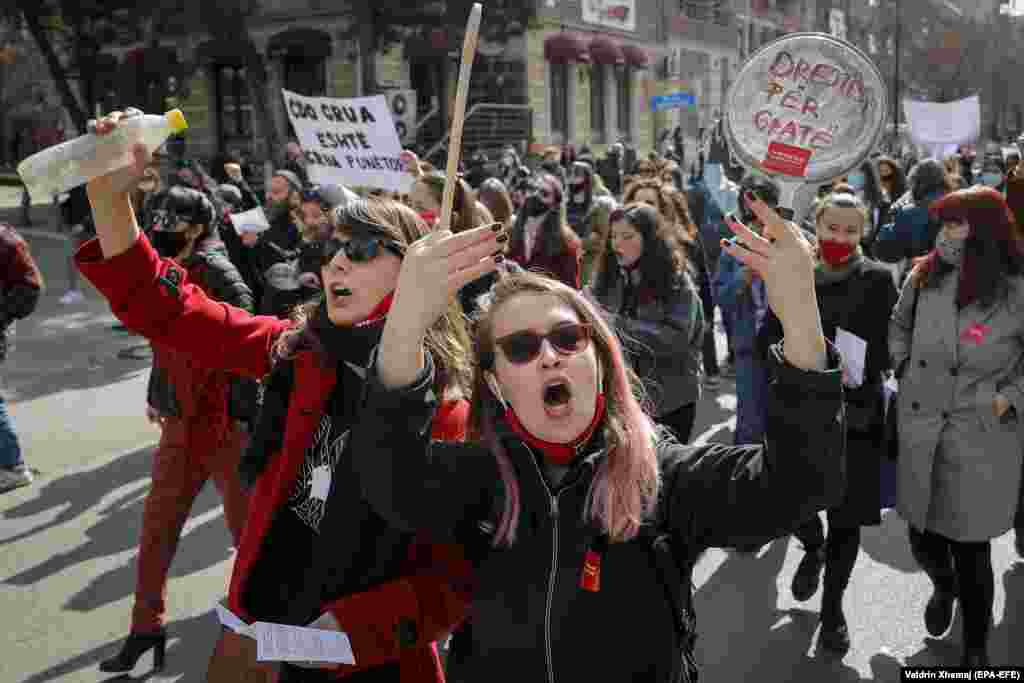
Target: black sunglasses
x,y
522,347
361,249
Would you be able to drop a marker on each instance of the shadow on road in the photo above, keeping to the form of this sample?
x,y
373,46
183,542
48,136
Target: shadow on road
x,y
887,543
117,530
189,645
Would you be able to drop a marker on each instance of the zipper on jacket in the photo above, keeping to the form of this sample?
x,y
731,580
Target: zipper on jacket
x,y
553,573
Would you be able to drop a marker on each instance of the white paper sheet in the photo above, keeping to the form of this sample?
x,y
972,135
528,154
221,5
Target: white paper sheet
x,y
853,349
253,220
281,643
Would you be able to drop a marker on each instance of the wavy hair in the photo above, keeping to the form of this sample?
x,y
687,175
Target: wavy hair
x,y
555,235
671,205
625,490
466,213
447,339
662,264
992,251
495,197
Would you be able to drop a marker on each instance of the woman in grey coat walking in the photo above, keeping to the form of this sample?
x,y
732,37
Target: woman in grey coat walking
x,y
956,341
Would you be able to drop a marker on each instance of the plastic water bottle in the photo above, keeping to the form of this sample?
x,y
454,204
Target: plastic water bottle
x,y
62,167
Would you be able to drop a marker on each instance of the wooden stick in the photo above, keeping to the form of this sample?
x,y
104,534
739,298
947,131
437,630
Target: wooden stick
x,y
459,115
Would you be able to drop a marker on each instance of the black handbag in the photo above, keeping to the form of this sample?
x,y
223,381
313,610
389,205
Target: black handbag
x,y
891,437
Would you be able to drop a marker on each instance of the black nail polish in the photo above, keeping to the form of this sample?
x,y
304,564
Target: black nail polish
x,y
499,257
501,239
497,227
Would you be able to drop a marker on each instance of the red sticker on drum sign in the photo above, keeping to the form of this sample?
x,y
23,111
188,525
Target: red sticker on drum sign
x,y
787,159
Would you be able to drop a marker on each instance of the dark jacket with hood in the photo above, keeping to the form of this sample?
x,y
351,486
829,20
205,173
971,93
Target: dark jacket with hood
x,y
910,231
532,620
311,543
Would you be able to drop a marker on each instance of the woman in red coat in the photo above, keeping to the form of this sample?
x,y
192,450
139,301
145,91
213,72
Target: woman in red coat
x,y
541,239
312,549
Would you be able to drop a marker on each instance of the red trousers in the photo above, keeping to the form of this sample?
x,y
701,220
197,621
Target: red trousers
x,y
179,473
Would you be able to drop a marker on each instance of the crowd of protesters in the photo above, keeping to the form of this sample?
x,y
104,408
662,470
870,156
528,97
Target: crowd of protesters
x,y
541,358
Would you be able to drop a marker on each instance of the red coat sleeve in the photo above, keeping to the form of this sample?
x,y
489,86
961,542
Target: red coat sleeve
x,y
406,615
153,297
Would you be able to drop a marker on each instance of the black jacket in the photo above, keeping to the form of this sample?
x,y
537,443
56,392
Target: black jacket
x,y
531,620
210,267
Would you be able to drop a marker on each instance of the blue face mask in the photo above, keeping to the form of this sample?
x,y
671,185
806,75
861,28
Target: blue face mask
x,y
856,181
991,179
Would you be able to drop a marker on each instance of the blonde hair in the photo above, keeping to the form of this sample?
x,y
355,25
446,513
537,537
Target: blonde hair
x,y
447,340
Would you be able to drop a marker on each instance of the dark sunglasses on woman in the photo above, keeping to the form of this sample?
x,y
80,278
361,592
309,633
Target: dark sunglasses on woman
x,y
361,249
522,347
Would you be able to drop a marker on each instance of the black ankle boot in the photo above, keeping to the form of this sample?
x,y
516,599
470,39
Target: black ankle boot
x,y
136,645
938,614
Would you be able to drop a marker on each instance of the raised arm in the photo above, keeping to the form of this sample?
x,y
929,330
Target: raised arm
x,y
153,296
726,496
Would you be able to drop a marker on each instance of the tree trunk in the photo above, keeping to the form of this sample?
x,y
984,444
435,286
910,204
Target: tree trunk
x,y
57,71
256,80
368,50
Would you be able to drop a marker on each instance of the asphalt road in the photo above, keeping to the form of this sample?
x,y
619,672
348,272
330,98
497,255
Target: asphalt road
x,y
67,563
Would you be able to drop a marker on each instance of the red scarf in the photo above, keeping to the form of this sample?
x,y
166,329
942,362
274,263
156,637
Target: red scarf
x,y
557,453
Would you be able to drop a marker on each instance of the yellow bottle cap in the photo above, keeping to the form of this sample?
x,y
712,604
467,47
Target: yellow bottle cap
x,y
177,120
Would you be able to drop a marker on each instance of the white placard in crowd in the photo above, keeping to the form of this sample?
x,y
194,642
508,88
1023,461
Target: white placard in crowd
x,y
947,123
253,220
351,142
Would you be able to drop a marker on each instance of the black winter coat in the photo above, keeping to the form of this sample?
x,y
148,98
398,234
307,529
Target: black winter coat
x,y
531,621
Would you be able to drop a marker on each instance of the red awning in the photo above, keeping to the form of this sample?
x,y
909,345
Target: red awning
x,y
566,47
604,50
636,56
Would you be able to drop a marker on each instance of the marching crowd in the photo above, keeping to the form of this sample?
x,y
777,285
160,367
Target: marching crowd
x,y
480,429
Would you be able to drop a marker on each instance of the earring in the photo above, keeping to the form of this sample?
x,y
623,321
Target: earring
x,y
495,388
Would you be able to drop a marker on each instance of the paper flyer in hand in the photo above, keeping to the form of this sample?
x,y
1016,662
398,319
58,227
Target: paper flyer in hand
x,y
853,349
283,643
253,220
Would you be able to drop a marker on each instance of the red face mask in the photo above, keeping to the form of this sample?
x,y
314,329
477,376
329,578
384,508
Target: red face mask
x,y
429,217
835,253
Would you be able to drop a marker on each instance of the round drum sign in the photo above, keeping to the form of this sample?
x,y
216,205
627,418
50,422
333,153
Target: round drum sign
x,y
807,107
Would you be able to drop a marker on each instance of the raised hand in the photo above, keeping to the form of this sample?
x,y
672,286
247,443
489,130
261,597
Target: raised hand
x,y
434,269
125,179
785,261
437,266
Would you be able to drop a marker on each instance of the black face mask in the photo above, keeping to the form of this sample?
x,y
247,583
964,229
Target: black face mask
x,y
534,207
278,211
168,244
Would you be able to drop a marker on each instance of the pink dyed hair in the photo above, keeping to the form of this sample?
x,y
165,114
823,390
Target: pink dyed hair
x,y
625,489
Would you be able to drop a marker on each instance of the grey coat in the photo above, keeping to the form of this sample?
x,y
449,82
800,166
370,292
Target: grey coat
x,y
959,465
663,339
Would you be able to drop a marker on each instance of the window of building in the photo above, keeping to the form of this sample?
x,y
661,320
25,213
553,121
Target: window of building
x,y
234,108
560,102
624,99
598,100
305,76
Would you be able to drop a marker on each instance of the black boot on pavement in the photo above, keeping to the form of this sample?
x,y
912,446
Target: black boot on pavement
x,y
808,574
136,645
938,614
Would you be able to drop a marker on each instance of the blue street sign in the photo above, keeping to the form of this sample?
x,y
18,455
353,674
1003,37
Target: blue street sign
x,y
679,100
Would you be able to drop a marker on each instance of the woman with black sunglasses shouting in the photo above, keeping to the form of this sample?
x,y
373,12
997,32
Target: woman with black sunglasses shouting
x,y
582,518
645,283
312,549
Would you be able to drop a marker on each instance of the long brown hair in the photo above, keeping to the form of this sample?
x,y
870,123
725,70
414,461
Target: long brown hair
x,y
625,489
494,195
466,214
447,340
671,205
992,251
